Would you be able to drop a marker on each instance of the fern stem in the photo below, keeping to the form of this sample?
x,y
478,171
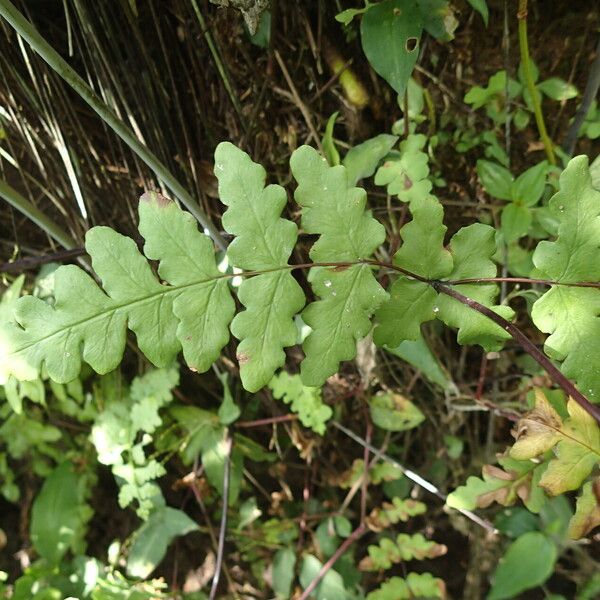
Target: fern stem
x,y
33,213
353,537
535,98
527,345
30,34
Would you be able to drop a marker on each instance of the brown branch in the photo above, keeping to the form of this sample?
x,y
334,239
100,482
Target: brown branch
x,y
527,345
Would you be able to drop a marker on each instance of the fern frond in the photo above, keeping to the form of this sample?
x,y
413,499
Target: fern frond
x,y
264,242
348,297
405,547
416,585
89,323
570,314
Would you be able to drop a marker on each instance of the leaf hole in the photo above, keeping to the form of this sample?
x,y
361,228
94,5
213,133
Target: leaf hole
x,y
411,44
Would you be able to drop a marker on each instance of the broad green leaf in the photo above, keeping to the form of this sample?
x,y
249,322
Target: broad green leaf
x,y
515,222
496,179
438,19
407,176
362,159
391,513
422,252
481,7
87,323
529,186
331,152
331,587
418,354
215,449
56,516
284,562
390,33
570,314
264,242
472,248
528,563
517,479
348,296
416,585
154,537
305,401
587,513
558,89
576,442
394,412
405,547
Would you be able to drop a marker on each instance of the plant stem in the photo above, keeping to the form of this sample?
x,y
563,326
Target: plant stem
x,y
353,537
30,34
42,220
527,345
591,90
535,96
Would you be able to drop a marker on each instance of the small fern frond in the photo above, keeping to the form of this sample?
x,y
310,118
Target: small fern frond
x,y
264,242
416,585
348,297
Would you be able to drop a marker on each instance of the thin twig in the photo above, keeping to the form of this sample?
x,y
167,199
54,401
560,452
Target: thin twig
x,y
591,90
33,262
353,537
298,101
414,477
267,421
223,526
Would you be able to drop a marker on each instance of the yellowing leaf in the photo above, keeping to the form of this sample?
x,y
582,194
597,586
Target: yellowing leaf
x,y
587,513
394,412
576,443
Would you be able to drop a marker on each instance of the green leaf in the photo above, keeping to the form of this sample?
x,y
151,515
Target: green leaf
x,y
472,248
154,537
422,252
418,354
407,177
329,150
362,159
528,563
229,411
558,89
481,7
570,314
394,412
305,401
56,516
496,179
193,311
264,241
284,562
577,442
587,513
529,186
517,479
416,585
347,16
390,33
405,547
515,222
348,297
331,587
438,19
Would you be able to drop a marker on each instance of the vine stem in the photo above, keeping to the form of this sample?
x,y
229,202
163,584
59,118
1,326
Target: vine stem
x,y
535,97
526,344
30,34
